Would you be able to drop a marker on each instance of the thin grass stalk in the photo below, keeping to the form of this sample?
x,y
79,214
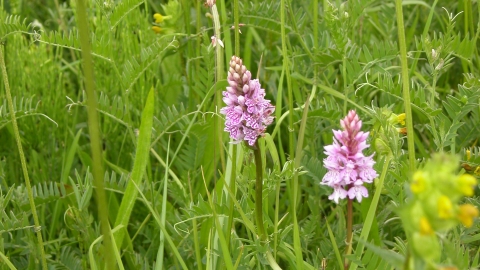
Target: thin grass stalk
x,y
169,240
218,229
345,88
405,84
232,149
6,261
196,244
218,123
159,264
477,33
334,246
286,66
298,158
94,132
277,209
424,34
227,40
315,25
91,257
278,115
292,190
218,76
8,94
236,17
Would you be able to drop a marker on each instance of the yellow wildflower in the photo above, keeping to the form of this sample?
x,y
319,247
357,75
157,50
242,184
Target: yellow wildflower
x,y
401,119
445,207
425,227
418,183
157,29
160,18
466,184
466,214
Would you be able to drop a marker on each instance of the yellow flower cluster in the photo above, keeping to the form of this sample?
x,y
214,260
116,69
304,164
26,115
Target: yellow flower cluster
x,y
444,192
159,18
435,204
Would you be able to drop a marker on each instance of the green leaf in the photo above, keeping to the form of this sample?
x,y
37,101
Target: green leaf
x,y
139,165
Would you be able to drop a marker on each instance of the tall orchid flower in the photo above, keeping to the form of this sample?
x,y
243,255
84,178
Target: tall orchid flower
x,y
348,168
247,112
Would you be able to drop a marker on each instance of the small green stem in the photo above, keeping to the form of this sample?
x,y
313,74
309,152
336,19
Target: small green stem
x,y
286,67
434,84
22,160
259,193
405,84
345,88
196,238
160,253
218,76
94,132
236,17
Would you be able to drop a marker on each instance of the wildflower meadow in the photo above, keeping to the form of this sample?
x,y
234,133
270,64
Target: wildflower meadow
x,y
239,134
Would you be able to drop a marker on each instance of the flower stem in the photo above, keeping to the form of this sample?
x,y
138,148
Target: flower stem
x,y
258,193
406,84
231,185
22,160
349,229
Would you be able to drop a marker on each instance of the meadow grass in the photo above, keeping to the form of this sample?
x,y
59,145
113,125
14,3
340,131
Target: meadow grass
x,y
113,152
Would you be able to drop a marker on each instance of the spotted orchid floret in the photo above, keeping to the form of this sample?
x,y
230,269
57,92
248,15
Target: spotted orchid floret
x,y
348,168
247,113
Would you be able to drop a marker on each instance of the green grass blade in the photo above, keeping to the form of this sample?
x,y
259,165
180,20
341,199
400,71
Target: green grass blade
x,y
139,165
159,263
335,247
6,261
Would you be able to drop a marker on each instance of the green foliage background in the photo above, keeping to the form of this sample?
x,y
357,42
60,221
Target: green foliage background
x,y
342,56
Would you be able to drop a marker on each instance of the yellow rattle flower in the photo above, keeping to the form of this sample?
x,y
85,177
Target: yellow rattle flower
x,y
425,227
418,184
466,214
466,184
445,207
